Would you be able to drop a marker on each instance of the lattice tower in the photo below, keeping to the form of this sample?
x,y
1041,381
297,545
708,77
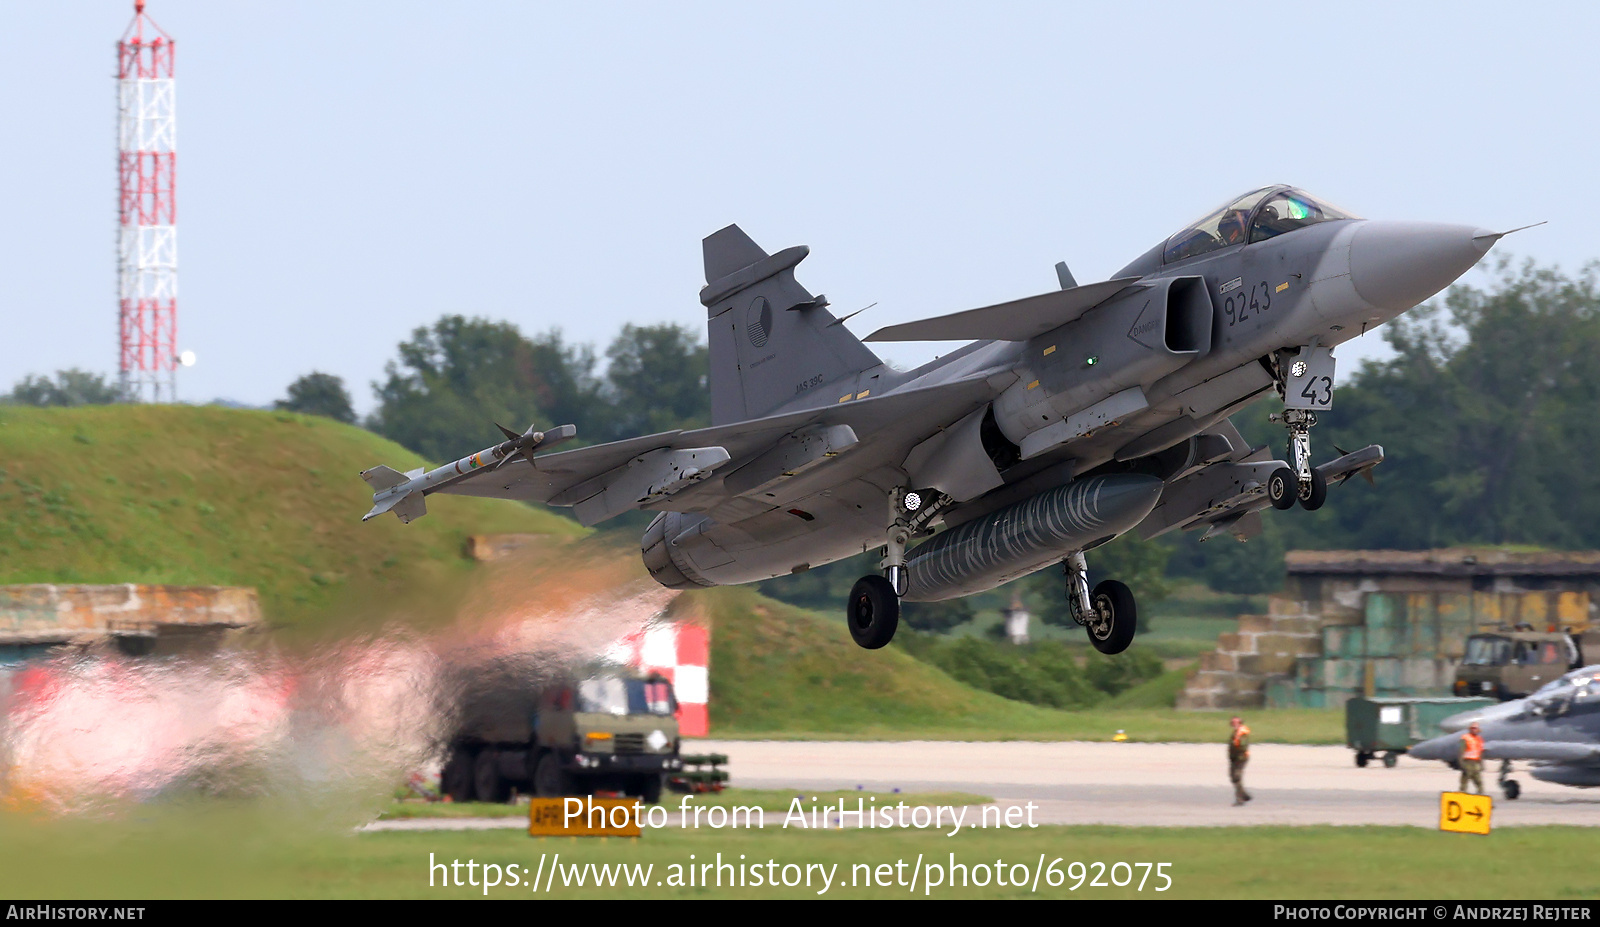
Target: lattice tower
x,y
147,230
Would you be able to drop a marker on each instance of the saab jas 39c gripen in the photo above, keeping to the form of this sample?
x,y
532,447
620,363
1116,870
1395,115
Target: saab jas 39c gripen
x,y
1073,417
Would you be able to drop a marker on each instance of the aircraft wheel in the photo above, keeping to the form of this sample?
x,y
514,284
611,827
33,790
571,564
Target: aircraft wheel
x,y
549,779
1312,497
1362,759
455,780
1281,488
873,612
1115,617
1390,759
486,778
1512,788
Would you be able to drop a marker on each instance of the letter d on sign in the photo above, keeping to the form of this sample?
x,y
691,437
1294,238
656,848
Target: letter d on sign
x,y
1464,813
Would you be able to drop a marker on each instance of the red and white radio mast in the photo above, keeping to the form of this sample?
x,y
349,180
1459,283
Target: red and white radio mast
x,y
147,232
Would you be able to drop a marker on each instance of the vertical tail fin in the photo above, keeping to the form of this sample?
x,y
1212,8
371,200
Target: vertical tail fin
x,y
772,343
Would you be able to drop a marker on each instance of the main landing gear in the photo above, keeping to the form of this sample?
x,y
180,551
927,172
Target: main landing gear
x,y
1108,612
873,610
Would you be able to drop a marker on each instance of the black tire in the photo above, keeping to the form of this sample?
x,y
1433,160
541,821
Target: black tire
x,y
1116,617
1282,487
1362,759
1390,759
1312,497
486,778
455,780
873,612
549,779
1512,788
650,789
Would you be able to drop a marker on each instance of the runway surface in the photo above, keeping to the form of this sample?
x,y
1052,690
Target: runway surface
x,y
1165,785
1172,785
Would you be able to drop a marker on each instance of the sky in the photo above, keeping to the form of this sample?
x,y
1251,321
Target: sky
x,y
350,171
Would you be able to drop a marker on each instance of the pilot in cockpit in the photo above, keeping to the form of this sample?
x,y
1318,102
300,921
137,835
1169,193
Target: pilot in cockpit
x,y
1230,228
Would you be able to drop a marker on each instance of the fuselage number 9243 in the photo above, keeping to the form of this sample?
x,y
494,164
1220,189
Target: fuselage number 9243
x,y
1238,307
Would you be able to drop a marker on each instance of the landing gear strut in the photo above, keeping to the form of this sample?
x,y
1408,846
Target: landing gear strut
x,y
1108,613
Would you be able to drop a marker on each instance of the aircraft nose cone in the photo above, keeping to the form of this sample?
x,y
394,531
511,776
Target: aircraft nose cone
x,y
1396,265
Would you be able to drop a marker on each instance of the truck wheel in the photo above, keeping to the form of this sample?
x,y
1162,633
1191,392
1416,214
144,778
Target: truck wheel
x,y
1363,758
549,779
1390,758
650,789
455,780
491,786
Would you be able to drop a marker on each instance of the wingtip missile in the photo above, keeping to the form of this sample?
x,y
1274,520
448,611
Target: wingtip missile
x,y
403,493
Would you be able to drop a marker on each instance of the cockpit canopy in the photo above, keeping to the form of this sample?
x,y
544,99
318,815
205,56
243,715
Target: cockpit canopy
x,y
1577,689
1256,216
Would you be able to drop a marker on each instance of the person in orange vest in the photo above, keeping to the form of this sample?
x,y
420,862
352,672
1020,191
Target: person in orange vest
x,y
1472,759
1238,755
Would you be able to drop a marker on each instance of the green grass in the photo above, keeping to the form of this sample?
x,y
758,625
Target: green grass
x,y
220,851
1160,692
766,799
1190,599
214,496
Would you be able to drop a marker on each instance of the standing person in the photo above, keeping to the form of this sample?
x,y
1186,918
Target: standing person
x,y
1472,758
1238,755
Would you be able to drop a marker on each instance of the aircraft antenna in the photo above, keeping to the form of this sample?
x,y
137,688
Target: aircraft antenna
x,y
147,217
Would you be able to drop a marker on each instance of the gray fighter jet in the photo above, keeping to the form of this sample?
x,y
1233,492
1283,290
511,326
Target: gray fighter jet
x,y
1556,729
1074,416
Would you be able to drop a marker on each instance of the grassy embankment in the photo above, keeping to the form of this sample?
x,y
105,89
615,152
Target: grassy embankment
x,y
213,496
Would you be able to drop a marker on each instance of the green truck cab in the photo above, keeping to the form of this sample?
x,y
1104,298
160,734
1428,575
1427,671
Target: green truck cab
x,y
1512,664
606,732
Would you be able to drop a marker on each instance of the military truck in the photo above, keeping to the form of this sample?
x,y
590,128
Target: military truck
x,y
610,731
1513,663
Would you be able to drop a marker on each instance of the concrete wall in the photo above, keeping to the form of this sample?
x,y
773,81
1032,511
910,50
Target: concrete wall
x,y
47,613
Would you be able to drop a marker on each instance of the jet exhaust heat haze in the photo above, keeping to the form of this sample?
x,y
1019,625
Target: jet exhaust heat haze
x,y
92,731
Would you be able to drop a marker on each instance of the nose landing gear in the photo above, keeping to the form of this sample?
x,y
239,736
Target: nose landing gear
x,y
1305,381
